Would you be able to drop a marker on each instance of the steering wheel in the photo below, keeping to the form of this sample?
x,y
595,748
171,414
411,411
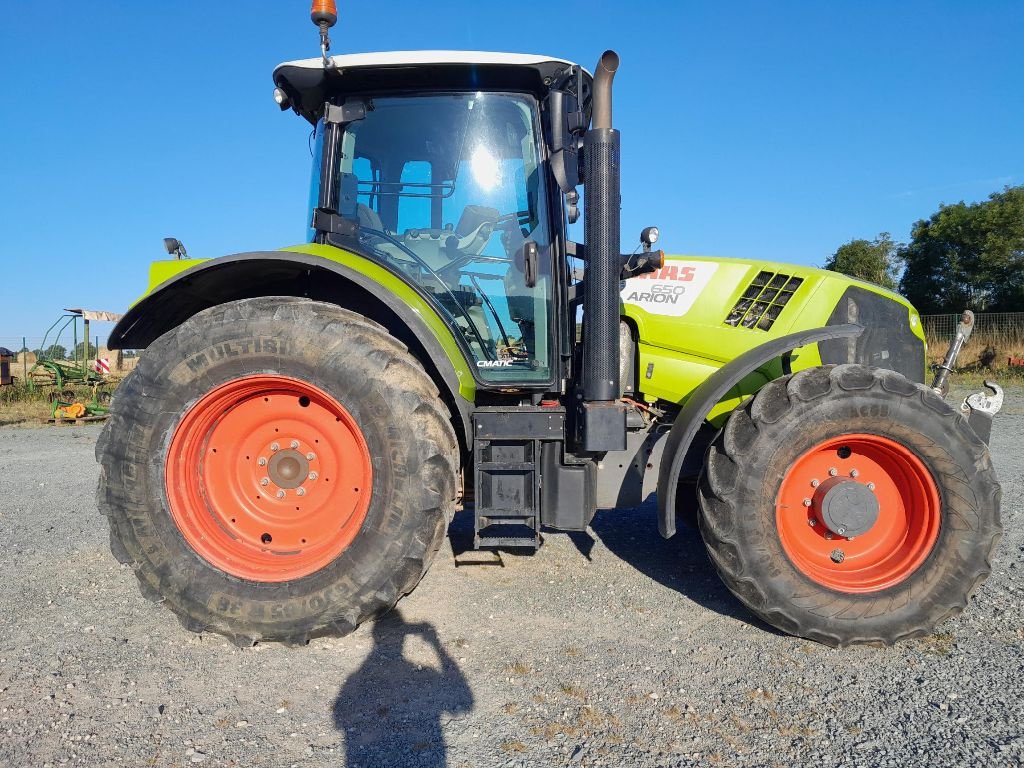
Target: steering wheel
x,y
509,221
419,260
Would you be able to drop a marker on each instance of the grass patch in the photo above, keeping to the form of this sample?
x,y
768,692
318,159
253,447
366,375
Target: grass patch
x,y
16,413
19,404
517,668
551,730
573,691
939,644
985,354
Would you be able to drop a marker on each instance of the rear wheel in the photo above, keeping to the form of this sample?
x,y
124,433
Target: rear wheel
x,y
848,505
276,469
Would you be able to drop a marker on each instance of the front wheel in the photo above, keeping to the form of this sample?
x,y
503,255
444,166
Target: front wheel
x,y
276,469
848,505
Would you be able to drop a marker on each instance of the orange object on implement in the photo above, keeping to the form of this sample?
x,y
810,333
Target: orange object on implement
x,y
73,411
895,543
268,478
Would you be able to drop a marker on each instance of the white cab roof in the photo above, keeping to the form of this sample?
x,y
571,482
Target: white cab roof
x,y
399,58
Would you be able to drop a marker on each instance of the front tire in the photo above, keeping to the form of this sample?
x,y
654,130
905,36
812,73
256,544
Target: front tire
x,y
277,469
848,505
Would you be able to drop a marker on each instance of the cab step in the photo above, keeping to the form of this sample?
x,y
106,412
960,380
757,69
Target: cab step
x,y
506,531
507,473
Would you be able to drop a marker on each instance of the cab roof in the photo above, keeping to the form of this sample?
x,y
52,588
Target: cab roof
x,y
309,84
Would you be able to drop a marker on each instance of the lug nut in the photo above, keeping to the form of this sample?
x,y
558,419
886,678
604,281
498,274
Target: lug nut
x,y
275,447
311,456
854,473
838,555
832,472
812,522
265,482
815,483
295,443
280,494
871,486
807,502
829,536
313,475
841,531
262,462
300,491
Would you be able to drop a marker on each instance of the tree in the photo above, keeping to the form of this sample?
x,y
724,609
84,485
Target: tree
x,y
52,352
873,260
90,353
968,257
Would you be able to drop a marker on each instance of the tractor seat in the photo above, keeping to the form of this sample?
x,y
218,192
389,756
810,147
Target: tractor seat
x,y
368,217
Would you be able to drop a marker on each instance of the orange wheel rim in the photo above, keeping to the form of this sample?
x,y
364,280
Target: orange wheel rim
x,y
858,513
268,478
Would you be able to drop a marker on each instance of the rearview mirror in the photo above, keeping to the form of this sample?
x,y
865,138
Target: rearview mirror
x,y
566,120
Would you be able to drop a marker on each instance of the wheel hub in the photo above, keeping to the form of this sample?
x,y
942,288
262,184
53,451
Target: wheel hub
x,y
288,469
846,507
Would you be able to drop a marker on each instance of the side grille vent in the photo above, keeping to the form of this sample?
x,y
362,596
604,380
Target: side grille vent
x,y
763,301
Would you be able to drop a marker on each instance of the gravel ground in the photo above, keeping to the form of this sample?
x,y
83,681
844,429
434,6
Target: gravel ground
x,y
620,649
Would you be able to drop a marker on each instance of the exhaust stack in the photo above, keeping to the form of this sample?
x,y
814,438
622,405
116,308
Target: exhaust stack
x,y
601,205
603,421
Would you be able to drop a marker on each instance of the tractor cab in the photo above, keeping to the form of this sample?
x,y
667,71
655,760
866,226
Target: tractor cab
x,y
442,167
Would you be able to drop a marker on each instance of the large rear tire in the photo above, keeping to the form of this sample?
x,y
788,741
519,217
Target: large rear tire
x,y
849,505
277,469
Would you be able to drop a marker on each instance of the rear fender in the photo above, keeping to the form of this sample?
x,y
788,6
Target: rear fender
x,y
707,395
382,298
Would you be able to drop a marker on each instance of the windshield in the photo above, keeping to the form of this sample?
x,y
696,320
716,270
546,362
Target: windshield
x,y
449,189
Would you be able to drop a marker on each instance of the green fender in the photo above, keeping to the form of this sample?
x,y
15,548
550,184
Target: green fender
x,y
180,289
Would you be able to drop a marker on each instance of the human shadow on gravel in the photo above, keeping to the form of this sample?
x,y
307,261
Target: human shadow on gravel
x,y
680,563
391,709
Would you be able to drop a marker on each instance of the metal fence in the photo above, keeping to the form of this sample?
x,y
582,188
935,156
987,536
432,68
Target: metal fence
x,y
1005,326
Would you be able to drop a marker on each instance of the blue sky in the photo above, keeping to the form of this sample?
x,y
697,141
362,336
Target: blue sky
x,y
774,130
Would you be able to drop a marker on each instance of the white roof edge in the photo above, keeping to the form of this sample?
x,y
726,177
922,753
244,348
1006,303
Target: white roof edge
x,y
393,58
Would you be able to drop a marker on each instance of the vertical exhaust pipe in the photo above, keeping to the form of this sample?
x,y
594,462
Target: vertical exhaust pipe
x,y
602,203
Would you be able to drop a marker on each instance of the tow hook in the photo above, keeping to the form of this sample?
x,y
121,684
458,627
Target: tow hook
x,y
981,407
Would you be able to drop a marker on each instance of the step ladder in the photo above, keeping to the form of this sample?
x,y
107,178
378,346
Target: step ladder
x,y
506,452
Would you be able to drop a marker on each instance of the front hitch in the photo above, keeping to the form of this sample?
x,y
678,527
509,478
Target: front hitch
x,y
981,407
942,371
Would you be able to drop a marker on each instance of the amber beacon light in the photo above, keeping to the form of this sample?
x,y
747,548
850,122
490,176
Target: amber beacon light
x,y
324,13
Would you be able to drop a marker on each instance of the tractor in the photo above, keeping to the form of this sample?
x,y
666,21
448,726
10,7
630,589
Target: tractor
x,y
304,423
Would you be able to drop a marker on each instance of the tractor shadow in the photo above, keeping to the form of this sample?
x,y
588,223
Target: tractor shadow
x,y
680,563
392,709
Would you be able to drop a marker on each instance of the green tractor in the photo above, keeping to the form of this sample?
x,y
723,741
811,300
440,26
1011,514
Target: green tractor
x,y
286,458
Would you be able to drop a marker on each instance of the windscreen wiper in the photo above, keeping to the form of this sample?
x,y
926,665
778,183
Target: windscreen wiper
x,y
487,301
